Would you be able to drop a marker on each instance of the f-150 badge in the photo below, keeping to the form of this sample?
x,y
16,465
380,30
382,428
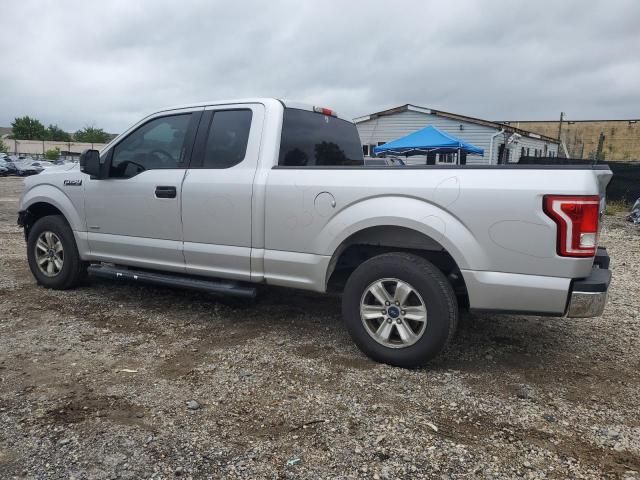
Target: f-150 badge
x,y
72,183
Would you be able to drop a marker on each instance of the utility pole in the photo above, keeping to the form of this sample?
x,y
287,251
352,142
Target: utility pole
x,y
560,126
600,147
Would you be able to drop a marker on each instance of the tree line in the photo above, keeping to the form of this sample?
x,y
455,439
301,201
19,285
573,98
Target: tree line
x,y
27,128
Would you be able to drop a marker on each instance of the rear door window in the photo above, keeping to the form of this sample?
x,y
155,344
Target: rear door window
x,y
227,138
312,139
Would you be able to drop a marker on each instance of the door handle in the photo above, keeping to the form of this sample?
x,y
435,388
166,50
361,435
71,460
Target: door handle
x,y
165,192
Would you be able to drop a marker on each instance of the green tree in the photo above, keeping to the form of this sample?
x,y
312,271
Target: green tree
x,y
52,154
27,128
91,134
56,134
3,147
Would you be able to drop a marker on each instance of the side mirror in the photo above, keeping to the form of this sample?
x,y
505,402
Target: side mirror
x,y
90,163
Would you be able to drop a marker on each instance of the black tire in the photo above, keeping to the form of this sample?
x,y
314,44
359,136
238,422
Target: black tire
x,y
427,280
73,268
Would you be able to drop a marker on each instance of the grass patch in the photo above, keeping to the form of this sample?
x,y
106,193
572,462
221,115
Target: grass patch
x,y
616,207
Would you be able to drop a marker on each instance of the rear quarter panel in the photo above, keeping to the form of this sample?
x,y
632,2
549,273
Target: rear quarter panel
x,y
488,219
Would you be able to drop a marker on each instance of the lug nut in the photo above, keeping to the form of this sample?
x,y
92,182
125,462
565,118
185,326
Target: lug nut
x,y
398,321
403,312
398,303
384,311
387,303
388,320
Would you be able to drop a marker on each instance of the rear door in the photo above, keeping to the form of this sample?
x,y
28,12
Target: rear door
x,y
217,192
133,214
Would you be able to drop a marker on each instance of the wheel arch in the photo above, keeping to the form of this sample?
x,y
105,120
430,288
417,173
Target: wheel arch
x,y
380,239
436,222
400,223
44,200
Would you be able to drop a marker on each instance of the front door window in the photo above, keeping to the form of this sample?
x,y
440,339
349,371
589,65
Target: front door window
x,y
158,144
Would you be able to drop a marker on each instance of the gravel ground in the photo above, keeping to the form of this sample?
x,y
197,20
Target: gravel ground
x,y
115,381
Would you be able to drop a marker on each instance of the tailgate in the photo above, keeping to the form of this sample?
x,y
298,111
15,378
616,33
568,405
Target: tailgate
x,y
603,177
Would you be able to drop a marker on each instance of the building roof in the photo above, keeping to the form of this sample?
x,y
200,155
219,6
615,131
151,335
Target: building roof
x,y
454,116
629,120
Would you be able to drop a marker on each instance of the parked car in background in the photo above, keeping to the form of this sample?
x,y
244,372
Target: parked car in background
x,y
42,163
3,170
64,161
8,165
384,162
25,168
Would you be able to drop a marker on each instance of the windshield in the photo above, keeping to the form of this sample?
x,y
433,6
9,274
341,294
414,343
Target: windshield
x,y
310,138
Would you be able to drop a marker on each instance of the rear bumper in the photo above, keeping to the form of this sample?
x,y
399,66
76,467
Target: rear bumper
x,y
537,295
589,295
517,293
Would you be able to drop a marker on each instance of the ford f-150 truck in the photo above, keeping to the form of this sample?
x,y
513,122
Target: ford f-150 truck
x,y
222,196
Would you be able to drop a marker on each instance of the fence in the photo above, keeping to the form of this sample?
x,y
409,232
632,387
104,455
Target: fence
x,y
34,148
625,184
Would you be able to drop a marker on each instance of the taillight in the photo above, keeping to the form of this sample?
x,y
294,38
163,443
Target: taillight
x,y
577,219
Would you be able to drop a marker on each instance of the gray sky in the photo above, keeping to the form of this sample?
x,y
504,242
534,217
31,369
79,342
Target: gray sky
x,y
107,63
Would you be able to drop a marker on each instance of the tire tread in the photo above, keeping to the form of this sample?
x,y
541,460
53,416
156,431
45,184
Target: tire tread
x,y
418,266
76,268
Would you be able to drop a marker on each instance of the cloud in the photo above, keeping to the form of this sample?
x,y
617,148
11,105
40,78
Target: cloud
x,y
108,63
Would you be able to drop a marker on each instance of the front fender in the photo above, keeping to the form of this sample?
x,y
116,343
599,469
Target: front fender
x,y
407,212
47,193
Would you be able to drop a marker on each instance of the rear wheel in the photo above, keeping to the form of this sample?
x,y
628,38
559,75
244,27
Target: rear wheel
x,y
400,309
53,255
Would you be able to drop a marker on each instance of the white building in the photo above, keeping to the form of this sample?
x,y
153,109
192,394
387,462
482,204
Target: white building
x,y
381,127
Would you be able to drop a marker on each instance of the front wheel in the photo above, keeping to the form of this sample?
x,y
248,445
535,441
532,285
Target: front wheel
x,y
53,255
400,309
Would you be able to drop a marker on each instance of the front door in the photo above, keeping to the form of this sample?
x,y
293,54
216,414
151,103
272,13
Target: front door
x,y
133,212
218,189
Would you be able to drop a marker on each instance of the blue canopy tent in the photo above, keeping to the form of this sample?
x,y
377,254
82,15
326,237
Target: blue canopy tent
x,y
429,140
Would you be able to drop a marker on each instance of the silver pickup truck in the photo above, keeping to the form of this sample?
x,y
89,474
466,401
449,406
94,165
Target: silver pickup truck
x,y
222,196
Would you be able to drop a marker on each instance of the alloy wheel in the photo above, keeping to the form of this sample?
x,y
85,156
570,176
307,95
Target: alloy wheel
x,y
49,254
393,313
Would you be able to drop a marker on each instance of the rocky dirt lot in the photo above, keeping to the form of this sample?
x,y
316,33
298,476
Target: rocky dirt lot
x,y
117,381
